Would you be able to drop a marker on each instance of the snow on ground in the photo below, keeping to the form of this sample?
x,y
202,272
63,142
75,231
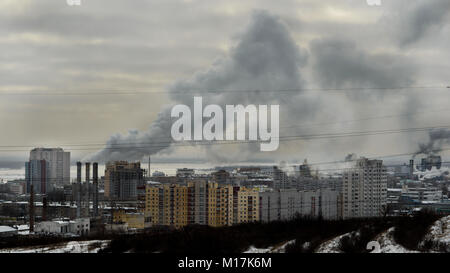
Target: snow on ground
x,y
440,232
331,246
388,244
385,239
282,248
92,246
253,249
273,249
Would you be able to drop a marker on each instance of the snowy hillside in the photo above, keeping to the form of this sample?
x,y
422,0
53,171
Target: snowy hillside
x,y
274,249
69,247
439,234
331,246
388,244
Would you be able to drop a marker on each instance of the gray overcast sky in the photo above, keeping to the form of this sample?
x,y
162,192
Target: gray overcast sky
x,y
168,45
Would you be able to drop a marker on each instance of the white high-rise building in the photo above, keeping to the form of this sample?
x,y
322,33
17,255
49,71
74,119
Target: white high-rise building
x,y
364,189
280,178
59,164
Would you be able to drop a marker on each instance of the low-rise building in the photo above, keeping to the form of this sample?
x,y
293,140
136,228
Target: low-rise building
x,y
79,226
134,220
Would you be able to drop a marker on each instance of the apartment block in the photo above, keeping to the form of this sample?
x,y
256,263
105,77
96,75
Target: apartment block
x,y
245,205
37,173
200,202
286,204
365,189
59,164
122,180
167,205
220,205
280,178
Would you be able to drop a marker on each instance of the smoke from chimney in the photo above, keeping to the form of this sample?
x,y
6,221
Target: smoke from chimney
x,y
265,58
437,139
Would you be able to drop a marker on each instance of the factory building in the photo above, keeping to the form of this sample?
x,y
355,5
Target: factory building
x,y
427,163
134,220
79,226
185,172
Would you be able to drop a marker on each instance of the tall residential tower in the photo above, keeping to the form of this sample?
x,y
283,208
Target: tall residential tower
x,y
58,161
365,189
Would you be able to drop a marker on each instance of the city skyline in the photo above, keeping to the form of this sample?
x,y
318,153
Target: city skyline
x,y
213,129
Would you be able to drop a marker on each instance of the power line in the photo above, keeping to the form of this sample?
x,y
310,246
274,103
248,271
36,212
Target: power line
x,y
353,167
289,126
163,144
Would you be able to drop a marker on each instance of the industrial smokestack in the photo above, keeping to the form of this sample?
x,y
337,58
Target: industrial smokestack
x,y
88,177
95,182
88,171
79,189
31,208
411,168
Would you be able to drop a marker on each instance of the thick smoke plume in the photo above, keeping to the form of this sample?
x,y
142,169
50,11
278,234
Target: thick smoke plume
x,y
265,58
437,139
351,157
